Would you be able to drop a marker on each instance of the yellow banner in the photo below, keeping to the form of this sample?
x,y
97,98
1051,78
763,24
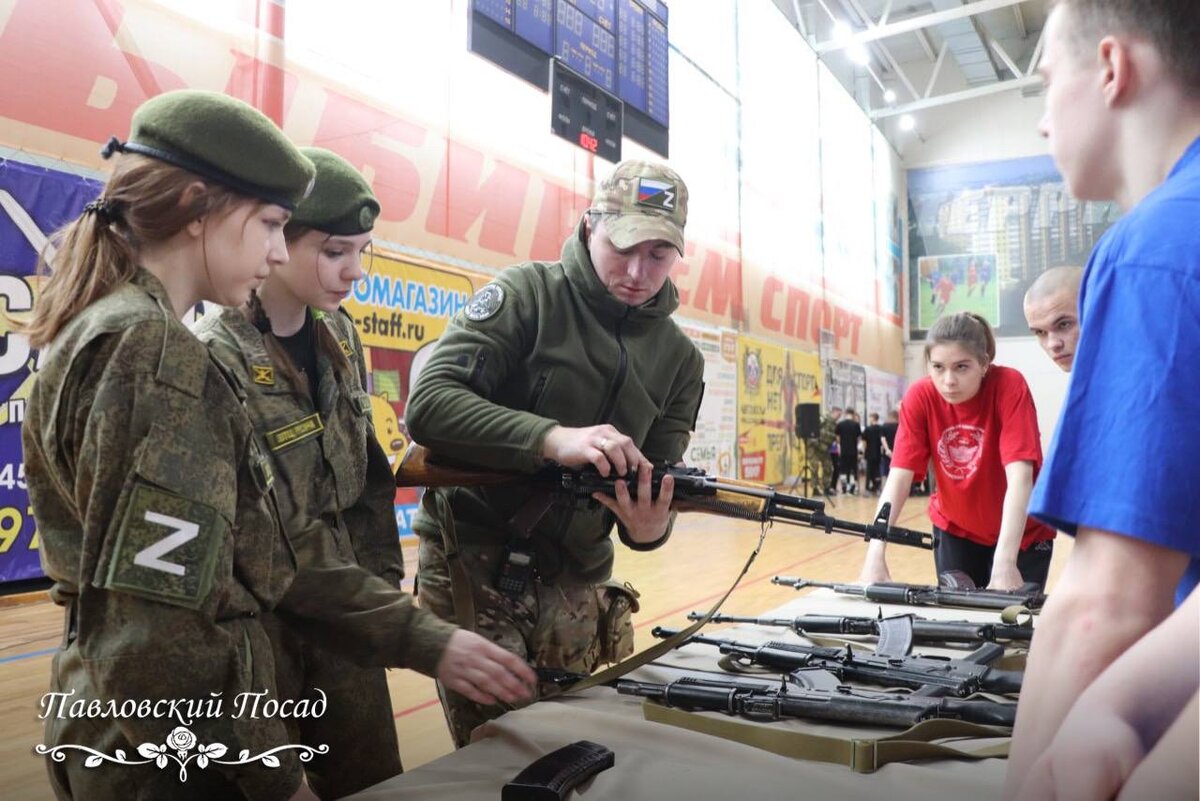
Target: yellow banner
x,y
401,306
771,381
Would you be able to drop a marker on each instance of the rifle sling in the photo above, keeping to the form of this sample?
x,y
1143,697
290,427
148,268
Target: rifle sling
x,y
861,756
460,582
661,647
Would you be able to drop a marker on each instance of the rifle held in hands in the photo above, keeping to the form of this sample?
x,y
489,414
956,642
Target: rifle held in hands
x,y
695,491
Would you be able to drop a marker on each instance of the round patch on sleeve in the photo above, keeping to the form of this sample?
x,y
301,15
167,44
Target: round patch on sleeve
x,y
485,302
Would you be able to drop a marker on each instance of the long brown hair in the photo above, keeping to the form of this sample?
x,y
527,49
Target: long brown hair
x,y
325,342
145,201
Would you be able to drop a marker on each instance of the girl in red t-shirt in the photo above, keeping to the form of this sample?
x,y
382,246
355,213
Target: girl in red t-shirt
x,y
977,423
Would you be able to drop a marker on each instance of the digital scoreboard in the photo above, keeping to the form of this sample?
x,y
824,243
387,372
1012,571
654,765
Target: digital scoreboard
x,y
584,114
620,46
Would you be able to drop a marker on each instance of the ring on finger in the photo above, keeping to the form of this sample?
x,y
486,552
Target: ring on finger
x,y
603,443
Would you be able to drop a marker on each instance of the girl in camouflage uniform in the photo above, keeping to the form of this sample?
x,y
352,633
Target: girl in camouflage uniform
x,y
300,357
155,505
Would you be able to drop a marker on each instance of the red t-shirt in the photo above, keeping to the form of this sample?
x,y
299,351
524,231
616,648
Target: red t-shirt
x,y
970,442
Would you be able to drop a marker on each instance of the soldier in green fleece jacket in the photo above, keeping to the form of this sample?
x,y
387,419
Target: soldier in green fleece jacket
x,y
576,362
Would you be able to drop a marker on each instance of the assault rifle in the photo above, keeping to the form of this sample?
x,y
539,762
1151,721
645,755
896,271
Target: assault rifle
x,y
1029,596
762,702
960,677
922,631
695,491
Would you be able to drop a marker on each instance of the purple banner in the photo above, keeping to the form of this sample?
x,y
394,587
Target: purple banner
x,y
34,201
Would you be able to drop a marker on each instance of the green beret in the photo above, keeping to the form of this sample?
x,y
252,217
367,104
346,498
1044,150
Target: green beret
x,y
341,203
222,140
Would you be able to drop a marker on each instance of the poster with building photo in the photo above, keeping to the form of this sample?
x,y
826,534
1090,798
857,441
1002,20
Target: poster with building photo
x,y
845,386
1014,218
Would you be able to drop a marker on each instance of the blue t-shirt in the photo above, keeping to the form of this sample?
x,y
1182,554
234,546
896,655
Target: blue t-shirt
x,y
1126,452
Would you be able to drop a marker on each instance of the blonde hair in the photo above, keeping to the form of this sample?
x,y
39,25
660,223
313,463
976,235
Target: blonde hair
x,y
145,201
966,329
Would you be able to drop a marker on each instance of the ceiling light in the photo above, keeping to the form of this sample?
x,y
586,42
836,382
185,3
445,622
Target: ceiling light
x,y
889,96
907,122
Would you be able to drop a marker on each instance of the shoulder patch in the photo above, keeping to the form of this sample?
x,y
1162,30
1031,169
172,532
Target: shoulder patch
x,y
166,548
346,348
485,303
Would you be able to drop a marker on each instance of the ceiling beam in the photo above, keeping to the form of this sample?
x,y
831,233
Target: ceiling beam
x,y
875,32
883,50
1020,15
956,97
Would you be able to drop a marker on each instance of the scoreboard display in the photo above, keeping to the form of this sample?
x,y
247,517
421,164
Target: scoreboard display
x,y
620,46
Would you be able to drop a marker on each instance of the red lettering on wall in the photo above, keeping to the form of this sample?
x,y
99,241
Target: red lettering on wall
x,y
771,287
463,195
822,317
796,322
719,289
559,214
78,57
350,129
264,86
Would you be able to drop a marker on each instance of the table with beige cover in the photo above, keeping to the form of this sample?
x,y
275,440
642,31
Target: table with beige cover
x,y
666,763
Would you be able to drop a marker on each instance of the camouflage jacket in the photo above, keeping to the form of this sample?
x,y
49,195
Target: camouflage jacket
x,y
150,498
328,463
160,527
547,344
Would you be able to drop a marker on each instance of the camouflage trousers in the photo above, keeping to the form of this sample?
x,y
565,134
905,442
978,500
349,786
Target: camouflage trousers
x,y
357,725
573,626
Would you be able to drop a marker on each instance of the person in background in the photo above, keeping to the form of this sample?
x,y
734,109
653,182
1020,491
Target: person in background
x,y
977,422
1122,119
848,433
829,442
872,437
1052,312
888,430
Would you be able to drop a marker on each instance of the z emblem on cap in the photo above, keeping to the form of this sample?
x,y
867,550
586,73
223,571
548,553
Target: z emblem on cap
x,y
656,194
485,303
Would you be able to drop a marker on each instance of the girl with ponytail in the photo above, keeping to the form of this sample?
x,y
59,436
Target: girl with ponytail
x,y
976,422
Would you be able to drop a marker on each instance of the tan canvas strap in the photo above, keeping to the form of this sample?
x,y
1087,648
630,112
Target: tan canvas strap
x,y
861,756
659,648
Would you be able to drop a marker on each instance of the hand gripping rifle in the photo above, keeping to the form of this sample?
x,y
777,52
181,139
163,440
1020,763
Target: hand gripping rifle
x,y
1029,596
960,677
762,702
923,631
695,491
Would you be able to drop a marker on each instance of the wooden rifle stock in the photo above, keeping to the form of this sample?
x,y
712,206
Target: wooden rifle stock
x,y
417,469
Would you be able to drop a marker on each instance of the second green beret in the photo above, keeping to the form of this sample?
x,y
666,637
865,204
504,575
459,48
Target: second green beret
x,y
341,202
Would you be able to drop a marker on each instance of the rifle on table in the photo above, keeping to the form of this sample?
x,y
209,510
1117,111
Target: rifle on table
x,y
695,491
762,702
1029,596
929,675
922,631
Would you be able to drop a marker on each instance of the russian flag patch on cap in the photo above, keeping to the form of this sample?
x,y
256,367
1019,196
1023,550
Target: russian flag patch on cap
x,y
656,194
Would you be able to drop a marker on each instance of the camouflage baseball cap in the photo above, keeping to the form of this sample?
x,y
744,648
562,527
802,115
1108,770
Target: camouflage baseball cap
x,y
642,201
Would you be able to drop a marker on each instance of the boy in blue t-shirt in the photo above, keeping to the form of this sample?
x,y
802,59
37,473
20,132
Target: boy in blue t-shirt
x,y
1123,123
